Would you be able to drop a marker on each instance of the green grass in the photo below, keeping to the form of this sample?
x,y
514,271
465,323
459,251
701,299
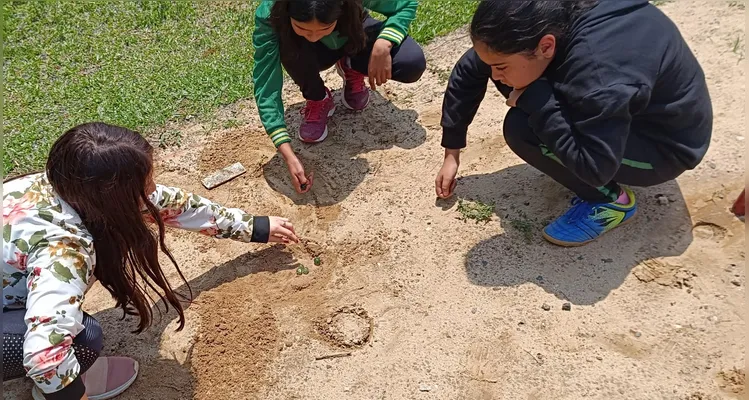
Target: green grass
x,y
138,64
477,211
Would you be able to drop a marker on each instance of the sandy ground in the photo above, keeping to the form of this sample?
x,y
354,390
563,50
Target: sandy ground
x,y
424,306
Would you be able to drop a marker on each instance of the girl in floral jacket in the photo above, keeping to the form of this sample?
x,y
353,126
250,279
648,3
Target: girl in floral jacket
x,y
83,220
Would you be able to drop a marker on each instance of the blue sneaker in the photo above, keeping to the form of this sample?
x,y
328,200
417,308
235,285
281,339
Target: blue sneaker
x,y
585,221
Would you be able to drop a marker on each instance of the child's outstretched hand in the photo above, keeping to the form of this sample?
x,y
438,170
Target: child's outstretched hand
x,y
445,183
282,231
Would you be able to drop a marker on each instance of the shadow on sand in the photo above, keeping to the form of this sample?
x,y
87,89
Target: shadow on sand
x,y
335,162
526,200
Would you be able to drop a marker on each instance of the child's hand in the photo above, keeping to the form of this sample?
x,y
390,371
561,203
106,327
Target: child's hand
x,y
380,63
281,231
302,182
512,101
445,183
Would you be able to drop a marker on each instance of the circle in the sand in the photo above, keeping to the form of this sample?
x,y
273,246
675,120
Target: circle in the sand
x,y
349,326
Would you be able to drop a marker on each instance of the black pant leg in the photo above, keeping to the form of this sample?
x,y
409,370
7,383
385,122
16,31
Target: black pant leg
x,y
87,345
637,168
409,62
304,64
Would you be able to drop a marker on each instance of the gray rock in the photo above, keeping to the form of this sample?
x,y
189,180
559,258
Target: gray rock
x,y
423,387
546,307
566,307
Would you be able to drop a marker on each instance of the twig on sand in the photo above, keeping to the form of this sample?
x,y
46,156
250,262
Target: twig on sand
x,y
534,357
334,355
481,379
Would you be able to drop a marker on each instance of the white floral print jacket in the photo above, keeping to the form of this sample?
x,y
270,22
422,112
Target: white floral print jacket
x,y
49,261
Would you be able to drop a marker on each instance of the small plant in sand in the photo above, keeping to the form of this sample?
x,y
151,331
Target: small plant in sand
x,y
317,261
525,227
475,210
302,270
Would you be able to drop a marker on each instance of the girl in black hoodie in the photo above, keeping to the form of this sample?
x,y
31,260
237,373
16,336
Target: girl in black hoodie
x,y
602,92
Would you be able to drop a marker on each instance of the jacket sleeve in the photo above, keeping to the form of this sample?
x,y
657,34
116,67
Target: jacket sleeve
x,y
399,13
192,212
267,78
590,136
58,274
466,89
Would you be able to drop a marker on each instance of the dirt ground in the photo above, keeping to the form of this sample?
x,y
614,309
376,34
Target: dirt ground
x,y
410,302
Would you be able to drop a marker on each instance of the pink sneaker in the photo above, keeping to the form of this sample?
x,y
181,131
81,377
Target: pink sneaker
x,y
314,128
355,92
107,378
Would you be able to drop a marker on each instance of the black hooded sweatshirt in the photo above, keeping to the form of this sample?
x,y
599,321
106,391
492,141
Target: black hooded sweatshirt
x,y
624,70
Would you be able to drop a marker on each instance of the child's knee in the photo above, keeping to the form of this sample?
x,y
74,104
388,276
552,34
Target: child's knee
x,y
516,130
412,66
92,336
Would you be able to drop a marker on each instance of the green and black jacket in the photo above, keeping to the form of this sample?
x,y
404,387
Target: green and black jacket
x,y
268,73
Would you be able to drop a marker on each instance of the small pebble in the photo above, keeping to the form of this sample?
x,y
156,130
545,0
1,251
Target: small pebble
x,y
289,343
599,358
546,307
663,200
736,282
607,260
473,310
636,333
713,318
423,387
329,320
566,306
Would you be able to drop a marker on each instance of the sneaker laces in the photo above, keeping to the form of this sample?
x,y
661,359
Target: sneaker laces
x,y
313,110
580,209
353,78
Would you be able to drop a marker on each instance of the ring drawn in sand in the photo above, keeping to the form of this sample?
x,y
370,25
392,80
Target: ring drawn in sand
x,y
348,326
709,231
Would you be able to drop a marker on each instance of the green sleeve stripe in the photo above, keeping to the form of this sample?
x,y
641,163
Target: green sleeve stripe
x,y
394,32
388,36
637,164
278,134
285,139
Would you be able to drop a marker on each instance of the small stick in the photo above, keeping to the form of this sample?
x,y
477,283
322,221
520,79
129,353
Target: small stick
x,y
534,357
334,355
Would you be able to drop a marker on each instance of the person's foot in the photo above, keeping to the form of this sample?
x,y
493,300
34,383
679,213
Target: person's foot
x,y
355,92
106,379
585,221
314,128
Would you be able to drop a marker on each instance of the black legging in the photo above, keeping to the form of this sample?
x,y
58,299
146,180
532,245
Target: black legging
x,y
305,63
636,169
87,345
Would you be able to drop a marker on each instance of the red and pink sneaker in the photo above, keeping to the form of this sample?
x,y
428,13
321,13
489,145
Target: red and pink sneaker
x,y
355,92
314,128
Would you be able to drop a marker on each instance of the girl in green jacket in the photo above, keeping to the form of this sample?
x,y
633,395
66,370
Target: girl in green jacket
x,y
309,36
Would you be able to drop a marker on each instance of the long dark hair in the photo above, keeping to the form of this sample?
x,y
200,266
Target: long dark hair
x,y
512,26
348,13
101,170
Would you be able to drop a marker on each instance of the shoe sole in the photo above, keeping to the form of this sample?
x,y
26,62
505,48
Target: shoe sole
x,y
578,244
324,133
343,97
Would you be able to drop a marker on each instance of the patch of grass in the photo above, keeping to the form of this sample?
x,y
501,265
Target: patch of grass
x,y
659,3
170,138
439,17
132,63
136,63
525,227
477,211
